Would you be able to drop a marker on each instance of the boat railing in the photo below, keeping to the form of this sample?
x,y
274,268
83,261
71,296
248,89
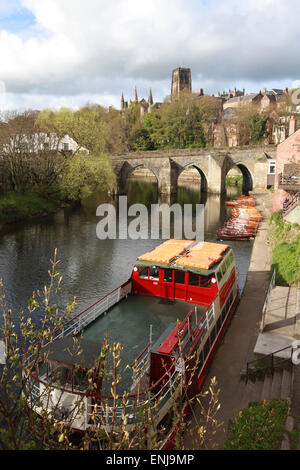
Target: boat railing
x,y
94,311
140,365
106,412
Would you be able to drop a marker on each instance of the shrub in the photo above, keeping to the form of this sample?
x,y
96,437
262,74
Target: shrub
x,y
259,427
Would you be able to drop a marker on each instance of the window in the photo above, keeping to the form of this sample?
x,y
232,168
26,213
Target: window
x,y
168,277
272,167
219,275
179,277
153,272
143,272
205,281
193,279
65,146
223,268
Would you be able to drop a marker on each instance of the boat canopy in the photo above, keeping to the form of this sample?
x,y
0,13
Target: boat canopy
x,y
186,254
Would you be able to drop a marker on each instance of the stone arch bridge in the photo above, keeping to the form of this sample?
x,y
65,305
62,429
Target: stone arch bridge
x,y
212,164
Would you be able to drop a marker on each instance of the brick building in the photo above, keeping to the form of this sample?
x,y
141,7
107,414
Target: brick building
x,y
287,177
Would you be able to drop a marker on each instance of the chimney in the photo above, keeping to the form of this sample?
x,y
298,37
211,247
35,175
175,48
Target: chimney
x,y
292,126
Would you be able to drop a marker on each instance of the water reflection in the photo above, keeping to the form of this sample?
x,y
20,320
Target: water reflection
x,y
92,267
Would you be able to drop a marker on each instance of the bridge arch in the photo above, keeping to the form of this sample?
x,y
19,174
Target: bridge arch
x,y
203,176
245,169
127,170
247,177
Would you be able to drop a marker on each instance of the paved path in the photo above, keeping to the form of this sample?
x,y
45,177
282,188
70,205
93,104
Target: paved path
x,y
238,343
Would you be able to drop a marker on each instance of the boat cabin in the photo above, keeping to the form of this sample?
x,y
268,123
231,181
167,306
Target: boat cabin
x,y
195,272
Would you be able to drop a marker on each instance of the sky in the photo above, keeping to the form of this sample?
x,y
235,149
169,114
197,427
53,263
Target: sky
x,y
56,53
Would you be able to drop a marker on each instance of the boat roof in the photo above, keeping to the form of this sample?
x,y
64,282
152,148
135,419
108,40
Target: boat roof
x,y
200,257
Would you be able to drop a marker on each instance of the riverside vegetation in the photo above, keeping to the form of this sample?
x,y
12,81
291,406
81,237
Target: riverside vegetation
x,y
284,240
36,176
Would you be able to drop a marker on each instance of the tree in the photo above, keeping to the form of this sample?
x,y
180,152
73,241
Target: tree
x,y
84,174
257,127
30,156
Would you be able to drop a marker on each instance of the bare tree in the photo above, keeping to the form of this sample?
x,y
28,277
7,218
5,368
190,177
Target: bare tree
x,y
30,156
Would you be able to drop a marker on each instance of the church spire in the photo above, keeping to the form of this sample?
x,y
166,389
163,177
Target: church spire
x,y
150,98
135,96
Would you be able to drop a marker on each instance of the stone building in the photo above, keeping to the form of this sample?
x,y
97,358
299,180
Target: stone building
x,y
145,106
181,81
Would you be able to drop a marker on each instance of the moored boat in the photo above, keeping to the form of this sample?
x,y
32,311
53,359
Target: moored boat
x,y
169,317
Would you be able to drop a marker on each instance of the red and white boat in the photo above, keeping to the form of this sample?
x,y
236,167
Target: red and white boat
x,y
171,312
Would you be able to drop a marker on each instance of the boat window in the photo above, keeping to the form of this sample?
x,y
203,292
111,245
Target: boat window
x,y
223,268
143,272
179,277
205,281
153,272
194,279
168,277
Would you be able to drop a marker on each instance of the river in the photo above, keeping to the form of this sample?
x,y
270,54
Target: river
x,y
91,267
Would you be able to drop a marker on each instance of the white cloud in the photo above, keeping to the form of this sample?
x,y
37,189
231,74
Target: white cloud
x,y
98,49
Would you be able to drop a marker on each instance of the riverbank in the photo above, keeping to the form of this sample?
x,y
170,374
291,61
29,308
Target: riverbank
x,y
15,207
238,343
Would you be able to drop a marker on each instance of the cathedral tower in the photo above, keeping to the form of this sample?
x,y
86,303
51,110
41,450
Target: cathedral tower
x,y
181,80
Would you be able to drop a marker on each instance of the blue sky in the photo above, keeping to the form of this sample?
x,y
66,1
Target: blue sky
x,y
14,18
68,52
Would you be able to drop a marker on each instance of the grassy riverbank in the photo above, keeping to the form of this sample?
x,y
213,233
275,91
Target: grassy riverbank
x,y
15,206
284,240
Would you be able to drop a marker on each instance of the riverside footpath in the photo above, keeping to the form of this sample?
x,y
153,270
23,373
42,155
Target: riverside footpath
x,y
236,347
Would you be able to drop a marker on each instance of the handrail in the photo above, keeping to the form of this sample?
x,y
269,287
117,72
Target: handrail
x,y
288,180
140,355
291,203
266,356
264,309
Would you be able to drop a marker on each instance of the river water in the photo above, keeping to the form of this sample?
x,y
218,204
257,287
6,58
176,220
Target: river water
x,y
91,267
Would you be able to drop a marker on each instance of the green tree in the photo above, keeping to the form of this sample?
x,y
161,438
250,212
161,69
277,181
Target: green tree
x,y
257,127
84,173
